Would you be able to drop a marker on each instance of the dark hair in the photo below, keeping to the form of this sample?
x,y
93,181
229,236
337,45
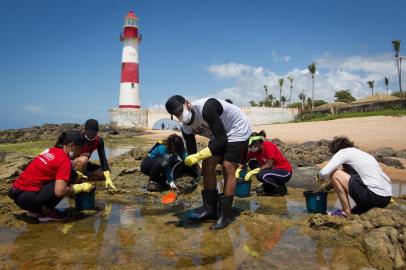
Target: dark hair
x,y
174,104
92,125
261,133
338,143
175,143
229,101
69,136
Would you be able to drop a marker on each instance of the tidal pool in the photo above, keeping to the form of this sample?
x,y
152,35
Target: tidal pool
x,y
149,235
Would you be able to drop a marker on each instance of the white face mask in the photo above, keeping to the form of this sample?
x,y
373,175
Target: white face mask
x,y
254,149
71,154
185,117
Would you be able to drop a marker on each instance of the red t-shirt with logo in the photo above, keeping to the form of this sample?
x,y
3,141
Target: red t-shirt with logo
x,y
52,164
271,151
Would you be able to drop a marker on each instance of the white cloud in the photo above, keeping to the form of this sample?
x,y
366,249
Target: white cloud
x,y
230,70
279,58
34,109
333,73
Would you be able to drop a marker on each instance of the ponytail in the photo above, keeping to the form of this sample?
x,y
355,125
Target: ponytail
x,y
61,139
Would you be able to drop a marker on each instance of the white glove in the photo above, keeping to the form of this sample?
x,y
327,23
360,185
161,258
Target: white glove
x,y
172,185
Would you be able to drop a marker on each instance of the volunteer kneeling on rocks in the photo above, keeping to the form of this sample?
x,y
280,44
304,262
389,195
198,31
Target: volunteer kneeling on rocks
x,y
161,159
46,180
361,177
269,166
91,142
228,129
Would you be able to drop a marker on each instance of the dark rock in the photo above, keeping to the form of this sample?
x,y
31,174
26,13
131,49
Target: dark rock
x,y
401,154
390,162
304,177
384,152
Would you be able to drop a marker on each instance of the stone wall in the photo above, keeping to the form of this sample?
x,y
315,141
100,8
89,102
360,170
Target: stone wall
x,y
363,107
148,117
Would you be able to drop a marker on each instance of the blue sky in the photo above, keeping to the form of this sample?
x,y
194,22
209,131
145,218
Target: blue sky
x,y
60,60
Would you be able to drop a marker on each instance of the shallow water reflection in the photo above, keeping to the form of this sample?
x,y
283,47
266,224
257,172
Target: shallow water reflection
x,y
135,236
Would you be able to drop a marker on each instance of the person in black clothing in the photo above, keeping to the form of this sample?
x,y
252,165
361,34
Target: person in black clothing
x,y
228,129
92,141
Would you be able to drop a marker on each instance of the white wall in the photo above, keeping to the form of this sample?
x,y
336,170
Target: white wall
x,y
268,115
148,117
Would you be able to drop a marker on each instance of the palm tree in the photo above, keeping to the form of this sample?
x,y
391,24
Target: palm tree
x,y
271,98
396,47
302,98
371,85
283,100
266,91
312,70
280,91
290,79
386,84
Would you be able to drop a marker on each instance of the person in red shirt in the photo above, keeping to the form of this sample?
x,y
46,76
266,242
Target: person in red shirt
x,y
91,142
43,184
269,166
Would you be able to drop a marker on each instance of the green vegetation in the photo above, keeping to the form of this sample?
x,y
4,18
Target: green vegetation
x,y
343,96
324,117
30,148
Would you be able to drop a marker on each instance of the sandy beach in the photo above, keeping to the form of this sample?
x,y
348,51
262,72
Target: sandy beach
x,y
369,133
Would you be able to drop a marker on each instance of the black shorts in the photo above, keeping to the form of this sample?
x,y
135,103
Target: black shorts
x,y
364,198
236,152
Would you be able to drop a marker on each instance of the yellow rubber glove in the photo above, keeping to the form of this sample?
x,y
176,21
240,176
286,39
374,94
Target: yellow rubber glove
x,y
251,173
195,158
238,172
84,187
81,175
109,182
67,227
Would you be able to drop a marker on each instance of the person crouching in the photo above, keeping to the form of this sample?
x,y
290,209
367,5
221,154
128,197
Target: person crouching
x,y
160,161
46,180
269,166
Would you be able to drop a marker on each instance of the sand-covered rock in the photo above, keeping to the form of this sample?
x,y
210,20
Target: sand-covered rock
x,y
380,233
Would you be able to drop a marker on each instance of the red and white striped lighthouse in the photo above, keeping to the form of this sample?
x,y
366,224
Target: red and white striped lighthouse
x,y
129,85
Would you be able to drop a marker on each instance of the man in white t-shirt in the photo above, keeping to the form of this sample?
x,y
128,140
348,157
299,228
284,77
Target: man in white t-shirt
x,y
356,173
228,129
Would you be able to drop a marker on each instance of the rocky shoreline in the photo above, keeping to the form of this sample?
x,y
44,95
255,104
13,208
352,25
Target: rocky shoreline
x,y
380,234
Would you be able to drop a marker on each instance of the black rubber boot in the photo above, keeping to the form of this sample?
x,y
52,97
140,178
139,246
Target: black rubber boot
x,y
225,207
208,210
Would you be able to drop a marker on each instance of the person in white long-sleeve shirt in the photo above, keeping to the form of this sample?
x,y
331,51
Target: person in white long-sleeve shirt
x,y
356,173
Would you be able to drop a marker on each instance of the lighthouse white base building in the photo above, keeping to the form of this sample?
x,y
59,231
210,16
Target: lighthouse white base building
x,y
129,118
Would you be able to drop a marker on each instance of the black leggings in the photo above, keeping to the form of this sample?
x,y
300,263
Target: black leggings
x,y
271,177
153,168
35,201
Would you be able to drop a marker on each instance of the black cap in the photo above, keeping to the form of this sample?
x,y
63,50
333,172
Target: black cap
x,y
174,104
74,136
92,125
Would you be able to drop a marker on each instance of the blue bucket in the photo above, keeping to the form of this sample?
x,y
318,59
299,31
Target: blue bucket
x,y
243,188
85,200
316,202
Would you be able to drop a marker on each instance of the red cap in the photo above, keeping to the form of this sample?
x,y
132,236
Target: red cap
x,y
131,14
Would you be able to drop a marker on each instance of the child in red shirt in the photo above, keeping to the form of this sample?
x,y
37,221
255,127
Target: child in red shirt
x,y
269,166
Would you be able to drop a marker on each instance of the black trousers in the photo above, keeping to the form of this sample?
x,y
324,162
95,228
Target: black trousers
x,y
35,201
153,168
270,177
